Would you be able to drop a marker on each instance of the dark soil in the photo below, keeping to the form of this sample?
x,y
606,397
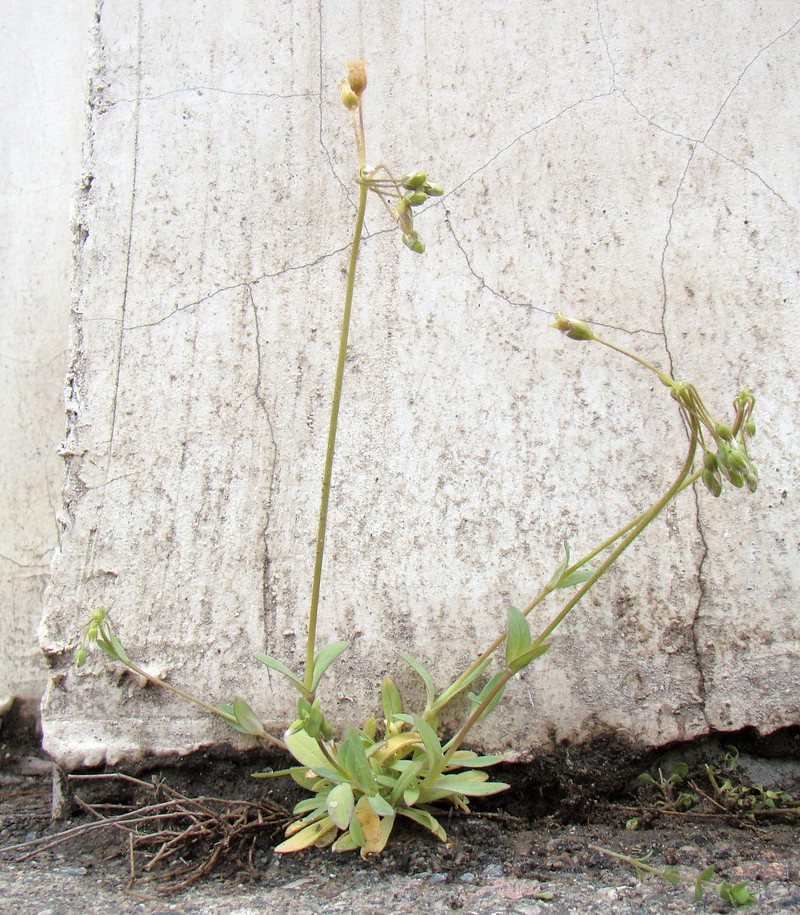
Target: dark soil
x,y
529,853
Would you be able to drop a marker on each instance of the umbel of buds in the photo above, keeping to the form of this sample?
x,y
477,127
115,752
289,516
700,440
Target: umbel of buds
x,y
400,196
724,445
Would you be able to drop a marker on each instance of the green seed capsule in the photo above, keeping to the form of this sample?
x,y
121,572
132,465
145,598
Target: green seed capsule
x,y
416,198
414,180
736,479
712,484
80,656
710,461
736,461
723,431
750,427
579,330
433,190
414,242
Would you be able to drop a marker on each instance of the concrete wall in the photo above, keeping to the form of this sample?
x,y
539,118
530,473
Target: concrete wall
x,y
633,164
43,72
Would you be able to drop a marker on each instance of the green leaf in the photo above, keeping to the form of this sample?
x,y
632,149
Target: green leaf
x,y
477,700
737,893
433,747
578,577
425,819
447,695
340,804
679,773
392,700
317,804
323,660
518,638
410,772
112,646
380,805
473,784
559,572
306,750
353,758
468,758
345,842
247,719
305,838
426,678
284,671
522,661
671,876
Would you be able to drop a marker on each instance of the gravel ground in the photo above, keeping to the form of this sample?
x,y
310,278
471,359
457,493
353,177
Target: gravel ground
x,y
493,863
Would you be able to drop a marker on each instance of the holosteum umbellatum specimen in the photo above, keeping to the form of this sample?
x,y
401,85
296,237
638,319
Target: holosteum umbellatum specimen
x,y
401,765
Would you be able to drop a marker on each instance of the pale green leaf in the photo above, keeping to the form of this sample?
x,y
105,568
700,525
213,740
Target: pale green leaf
x,y
340,804
305,838
426,678
247,719
283,670
518,637
578,577
433,746
380,805
425,819
392,700
522,661
323,660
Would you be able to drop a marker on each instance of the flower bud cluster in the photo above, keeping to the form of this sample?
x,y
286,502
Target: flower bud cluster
x,y
730,460
312,720
94,629
407,193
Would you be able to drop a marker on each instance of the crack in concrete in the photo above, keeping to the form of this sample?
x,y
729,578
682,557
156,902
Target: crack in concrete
x,y
551,119
128,255
291,268
549,312
695,143
268,602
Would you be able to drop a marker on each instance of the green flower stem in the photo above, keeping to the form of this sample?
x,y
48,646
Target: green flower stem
x,y
231,719
453,690
637,529
663,377
331,445
644,520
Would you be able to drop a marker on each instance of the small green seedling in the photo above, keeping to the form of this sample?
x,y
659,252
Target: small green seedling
x,y
362,780
737,894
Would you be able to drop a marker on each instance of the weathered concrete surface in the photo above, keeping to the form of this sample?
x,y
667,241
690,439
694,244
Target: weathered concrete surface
x,y
634,167
43,51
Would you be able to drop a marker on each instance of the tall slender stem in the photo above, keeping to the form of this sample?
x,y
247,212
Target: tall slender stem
x,y
644,520
331,445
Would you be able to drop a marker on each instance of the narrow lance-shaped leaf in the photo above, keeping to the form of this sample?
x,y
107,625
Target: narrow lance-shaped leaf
x,y
451,692
284,671
247,719
559,572
426,678
518,638
578,577
353,757
477,700
523,660
323,660
392,700
433,747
